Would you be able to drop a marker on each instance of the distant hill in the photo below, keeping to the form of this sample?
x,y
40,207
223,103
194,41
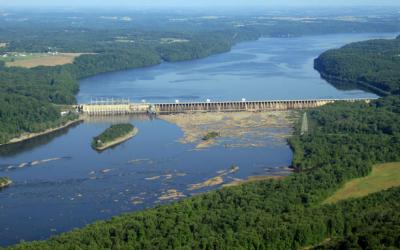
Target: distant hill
x,y
374,65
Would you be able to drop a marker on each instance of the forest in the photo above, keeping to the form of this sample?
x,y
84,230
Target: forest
x,y
343,141
373,65
112,133
118,45
277,214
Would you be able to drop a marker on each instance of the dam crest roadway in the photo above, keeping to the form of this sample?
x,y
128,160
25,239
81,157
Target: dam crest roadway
x,y
124,106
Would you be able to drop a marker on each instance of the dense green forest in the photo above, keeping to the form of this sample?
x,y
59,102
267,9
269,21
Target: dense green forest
x,y
374,65
343,141
276,214
115,41
112,133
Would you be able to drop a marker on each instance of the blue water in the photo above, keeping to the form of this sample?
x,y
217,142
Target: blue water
x,y
270,68
61,183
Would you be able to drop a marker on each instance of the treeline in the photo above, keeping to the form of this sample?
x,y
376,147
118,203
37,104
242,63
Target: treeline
x,y
24,114
117,45
112,133
275,214
45,86
28,98
374,65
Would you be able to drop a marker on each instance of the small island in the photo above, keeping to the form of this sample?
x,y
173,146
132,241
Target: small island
x,y
210,135
4,182
114,135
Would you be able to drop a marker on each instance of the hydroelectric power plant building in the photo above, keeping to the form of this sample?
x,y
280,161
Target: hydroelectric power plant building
x,y
120,107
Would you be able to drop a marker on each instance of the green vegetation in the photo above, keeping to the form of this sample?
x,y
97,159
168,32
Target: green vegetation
x,y
111,135
343,142
28,115
374,65
382,177
210,135
275,214
4,182
146,41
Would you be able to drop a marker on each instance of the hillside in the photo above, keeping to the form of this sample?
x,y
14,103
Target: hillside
x,y
343,142
109,45
382,177
373,65
273,214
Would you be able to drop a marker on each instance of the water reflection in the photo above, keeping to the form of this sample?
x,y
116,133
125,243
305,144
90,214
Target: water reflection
x,y
24,146
53,196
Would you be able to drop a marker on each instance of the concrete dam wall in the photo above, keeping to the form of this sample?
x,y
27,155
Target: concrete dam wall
x,y
225,106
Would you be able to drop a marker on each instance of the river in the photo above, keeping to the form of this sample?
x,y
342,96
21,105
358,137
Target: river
x,y
61,183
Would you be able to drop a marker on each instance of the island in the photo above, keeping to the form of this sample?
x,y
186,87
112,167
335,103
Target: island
x,y
114,135
4,182
210,135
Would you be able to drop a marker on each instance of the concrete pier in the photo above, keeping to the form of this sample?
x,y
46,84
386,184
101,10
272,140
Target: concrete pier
x,y
99,109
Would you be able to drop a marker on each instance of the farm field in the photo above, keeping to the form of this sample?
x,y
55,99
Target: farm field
x,y
382,177
32,60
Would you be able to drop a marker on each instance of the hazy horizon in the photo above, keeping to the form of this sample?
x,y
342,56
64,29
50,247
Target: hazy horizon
x,y
195,3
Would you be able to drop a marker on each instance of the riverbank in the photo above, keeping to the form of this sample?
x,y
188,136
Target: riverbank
x,y
28,136
251,179
117,141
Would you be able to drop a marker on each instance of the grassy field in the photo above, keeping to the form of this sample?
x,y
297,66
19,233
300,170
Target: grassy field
x,y
383,176
32,60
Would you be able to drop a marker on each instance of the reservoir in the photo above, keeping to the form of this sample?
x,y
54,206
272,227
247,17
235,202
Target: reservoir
x,y
61,183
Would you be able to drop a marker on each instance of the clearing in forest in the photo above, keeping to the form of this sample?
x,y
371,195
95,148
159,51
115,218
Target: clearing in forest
x,y
31,60
382,177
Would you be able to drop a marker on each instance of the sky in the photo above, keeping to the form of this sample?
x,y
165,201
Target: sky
x,y
193,3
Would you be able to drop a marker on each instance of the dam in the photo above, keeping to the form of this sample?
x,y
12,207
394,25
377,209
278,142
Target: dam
x,y
123,107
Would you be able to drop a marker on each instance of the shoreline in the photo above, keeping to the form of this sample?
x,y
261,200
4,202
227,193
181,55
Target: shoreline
x,y
29,136
118,140
253,178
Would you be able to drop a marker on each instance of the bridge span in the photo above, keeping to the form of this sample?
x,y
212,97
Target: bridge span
x,y
109,107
